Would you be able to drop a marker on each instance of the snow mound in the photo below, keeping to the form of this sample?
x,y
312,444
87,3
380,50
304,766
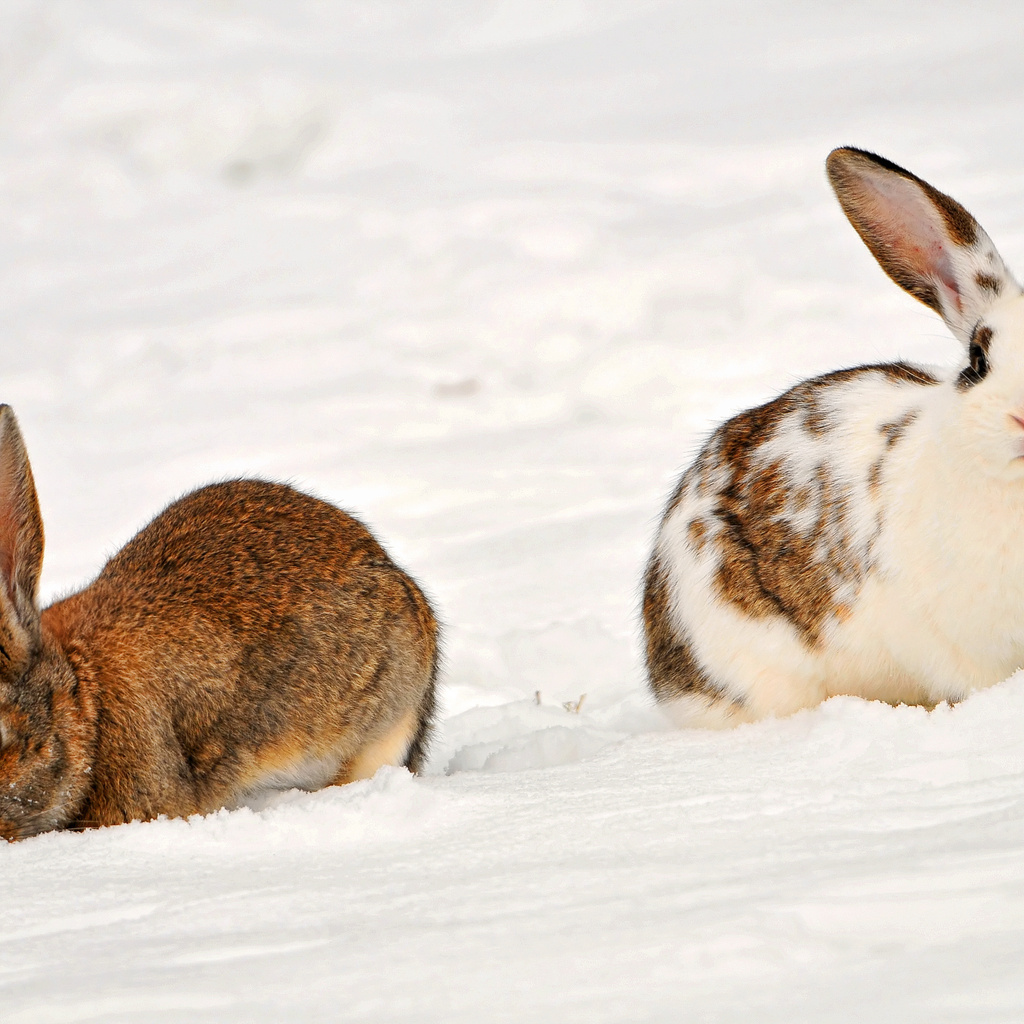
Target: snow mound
x,y
526,734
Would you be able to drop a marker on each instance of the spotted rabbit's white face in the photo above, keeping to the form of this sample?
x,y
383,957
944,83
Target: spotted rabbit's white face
x,y
935,250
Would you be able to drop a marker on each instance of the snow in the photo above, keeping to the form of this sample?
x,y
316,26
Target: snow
x,y
486,273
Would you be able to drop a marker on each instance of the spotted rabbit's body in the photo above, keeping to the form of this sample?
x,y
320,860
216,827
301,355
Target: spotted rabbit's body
x,y
860,534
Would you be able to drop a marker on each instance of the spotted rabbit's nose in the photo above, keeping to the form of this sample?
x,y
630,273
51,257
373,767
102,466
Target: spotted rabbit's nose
x,y
1019,420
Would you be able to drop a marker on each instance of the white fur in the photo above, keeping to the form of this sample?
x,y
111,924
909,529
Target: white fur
x,y
935,608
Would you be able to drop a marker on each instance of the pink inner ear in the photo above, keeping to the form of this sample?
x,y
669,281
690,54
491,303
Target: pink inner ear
x,y
913,230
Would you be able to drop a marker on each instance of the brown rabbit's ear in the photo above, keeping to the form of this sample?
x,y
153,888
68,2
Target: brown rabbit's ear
x,y
21,545
925,241
6,733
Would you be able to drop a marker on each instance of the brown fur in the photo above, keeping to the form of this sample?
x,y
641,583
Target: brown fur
x,y
903,372
765,566
892,432
247,630
698,534
671,666
988,283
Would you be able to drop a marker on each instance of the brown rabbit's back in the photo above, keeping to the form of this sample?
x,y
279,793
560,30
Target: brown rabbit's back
x,y
250,637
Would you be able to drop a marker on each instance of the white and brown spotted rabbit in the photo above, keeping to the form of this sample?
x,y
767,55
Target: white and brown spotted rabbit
x,y
250,638
863,533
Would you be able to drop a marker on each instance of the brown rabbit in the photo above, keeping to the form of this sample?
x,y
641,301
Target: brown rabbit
x,y
250,638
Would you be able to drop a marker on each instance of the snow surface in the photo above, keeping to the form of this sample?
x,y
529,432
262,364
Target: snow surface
x,y
485,273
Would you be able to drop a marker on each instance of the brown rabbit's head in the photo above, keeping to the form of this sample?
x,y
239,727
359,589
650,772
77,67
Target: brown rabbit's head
x,y
33,769
37,686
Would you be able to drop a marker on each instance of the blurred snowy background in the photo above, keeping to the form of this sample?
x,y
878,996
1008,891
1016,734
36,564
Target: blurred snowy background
x,y
485,273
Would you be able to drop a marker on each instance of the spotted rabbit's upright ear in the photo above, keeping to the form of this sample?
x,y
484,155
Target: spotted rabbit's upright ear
x,y
925,241
21,550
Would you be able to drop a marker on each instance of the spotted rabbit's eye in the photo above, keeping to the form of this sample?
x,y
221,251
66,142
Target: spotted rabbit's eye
x,y
977,354
979,361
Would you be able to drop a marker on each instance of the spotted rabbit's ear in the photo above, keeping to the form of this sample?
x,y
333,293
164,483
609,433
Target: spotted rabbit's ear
x,y
21,547
925,241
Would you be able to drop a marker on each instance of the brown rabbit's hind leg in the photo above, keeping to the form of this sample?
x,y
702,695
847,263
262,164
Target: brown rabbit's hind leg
x,y
390,747
411,670
294,766
290,764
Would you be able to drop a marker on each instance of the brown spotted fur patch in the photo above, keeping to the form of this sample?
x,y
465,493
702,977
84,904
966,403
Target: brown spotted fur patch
x,y
697,531
893,432
988,283
672,666
906,373
766,566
